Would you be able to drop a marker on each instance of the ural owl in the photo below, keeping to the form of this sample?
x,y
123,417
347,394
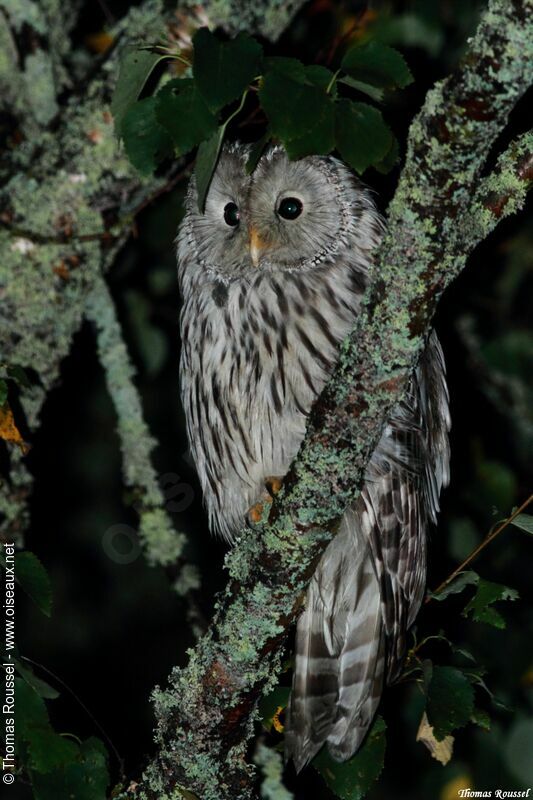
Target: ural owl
x,y
271,277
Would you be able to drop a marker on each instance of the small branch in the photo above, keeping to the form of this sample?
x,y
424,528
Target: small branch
x,y
494,532
500,193
162,543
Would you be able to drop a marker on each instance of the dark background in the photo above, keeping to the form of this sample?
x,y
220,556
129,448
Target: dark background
x,y
116,629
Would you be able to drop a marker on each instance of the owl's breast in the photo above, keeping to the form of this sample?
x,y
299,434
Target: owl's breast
x,y
255,355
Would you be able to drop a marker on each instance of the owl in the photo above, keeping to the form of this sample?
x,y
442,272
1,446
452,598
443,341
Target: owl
x,y
271,276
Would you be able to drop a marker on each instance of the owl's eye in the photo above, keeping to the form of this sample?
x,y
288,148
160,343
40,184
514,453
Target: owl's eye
x,y
231,214
290,208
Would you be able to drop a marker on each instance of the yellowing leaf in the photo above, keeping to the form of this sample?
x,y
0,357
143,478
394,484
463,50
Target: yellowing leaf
x,y
276,722
440,751
99,42
8,429
450,790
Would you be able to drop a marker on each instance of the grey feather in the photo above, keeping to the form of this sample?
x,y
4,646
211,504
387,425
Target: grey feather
x,y
258,344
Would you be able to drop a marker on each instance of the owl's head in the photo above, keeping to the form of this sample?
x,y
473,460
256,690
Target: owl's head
x,y
286,215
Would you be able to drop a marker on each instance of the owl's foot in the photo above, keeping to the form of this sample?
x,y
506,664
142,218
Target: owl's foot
x,y
273,485
256,512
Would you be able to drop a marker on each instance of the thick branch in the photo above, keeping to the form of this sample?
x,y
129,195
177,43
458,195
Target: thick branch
x,y
206,716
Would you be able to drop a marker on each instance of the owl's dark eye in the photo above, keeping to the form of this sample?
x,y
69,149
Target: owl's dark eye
x,y
231,214
290,208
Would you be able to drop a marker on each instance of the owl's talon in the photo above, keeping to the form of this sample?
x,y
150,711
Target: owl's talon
x,y
255,513
273,485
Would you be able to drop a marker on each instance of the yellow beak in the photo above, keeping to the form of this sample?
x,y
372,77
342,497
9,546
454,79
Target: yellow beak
x,y
257,245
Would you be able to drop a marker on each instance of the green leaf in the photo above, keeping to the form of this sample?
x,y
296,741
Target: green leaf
x,y
481,604
288,67
207,157
48,750
522,521
136,66
372,91
456,586
362,137
19,375
450,700
145,140
3,391
391,159
461,651
42,688
270,705
481,718
85,777
377,64
183,112
31,710
319,76
301,115
352,779
206,161
223,70
256,151
33,578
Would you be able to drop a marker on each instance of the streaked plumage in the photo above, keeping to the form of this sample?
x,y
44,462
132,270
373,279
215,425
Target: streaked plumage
x,y
258,344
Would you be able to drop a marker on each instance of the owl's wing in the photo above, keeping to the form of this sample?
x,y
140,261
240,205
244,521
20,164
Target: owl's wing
x,y
369,584
401,497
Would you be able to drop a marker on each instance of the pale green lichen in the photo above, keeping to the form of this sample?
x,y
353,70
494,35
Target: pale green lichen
x,y
268,18
40,86
270,763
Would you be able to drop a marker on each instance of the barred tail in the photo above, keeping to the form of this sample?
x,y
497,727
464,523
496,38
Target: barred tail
x,y
340,645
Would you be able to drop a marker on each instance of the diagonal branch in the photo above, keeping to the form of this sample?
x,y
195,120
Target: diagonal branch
x,y
206,717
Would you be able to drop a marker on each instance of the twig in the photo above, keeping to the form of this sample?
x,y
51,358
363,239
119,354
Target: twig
x,y
477,550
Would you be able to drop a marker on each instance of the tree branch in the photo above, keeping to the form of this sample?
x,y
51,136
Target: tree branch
x,y
206,716
163,544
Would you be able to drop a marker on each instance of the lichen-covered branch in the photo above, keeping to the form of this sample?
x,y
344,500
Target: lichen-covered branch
x,y
163,544
206,716
501,192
